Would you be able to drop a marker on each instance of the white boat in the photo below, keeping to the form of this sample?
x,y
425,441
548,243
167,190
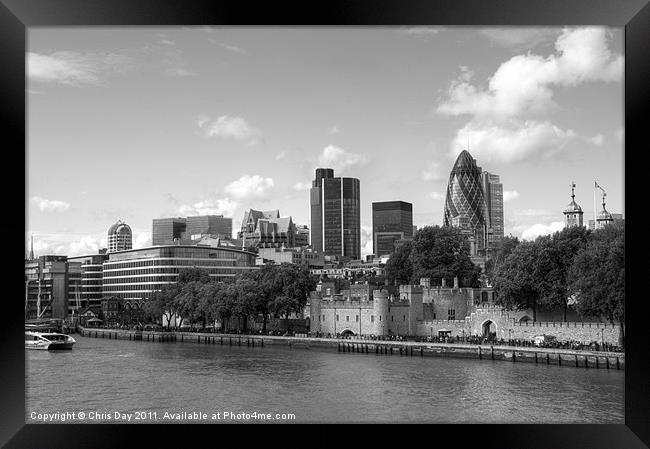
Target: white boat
x,y
48,340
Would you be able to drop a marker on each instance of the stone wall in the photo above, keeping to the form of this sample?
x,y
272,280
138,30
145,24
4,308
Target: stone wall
x,y
584,332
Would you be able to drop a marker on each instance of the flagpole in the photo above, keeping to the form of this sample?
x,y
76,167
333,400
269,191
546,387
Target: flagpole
x,y
595,184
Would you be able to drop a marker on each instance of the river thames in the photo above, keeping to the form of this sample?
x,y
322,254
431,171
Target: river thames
x,y
118,381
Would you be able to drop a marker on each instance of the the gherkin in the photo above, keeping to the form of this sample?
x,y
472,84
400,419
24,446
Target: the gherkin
x,y
465,205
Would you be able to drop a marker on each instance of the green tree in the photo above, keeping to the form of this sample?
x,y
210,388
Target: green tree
x,y
162,303
501,252
597,276
515,284
399,268
442,253
296,282
551,268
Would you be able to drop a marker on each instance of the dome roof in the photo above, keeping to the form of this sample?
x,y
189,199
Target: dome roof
x,y
572,207
604,215
118,228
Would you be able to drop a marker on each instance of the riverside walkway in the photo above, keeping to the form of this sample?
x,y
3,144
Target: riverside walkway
x,y
538,355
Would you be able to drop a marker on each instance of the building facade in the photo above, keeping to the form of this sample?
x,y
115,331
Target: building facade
x,y
426,311
167,231
299,256
465,205
88,295
493,192
51,283
302,235
266,229
135,274
391,221
335,214
120,237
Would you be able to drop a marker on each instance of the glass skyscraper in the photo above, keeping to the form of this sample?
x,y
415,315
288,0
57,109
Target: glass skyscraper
x,y
391,221
493,191
335,214
465,205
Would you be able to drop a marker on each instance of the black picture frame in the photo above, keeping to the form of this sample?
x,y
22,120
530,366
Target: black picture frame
x,y
17,15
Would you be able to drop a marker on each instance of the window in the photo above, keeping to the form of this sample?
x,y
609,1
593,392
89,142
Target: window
x,y
404,318
357,316
451,314
337,317
347,318
372,318
392,318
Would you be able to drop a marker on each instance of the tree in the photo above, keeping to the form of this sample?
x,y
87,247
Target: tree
x,y
515,284
501,252
597,276
161,303
246,290
399,268
296,282
193,274
442,253
555,257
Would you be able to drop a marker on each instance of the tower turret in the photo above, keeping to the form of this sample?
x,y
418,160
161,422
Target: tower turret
x,y
381,312
573,212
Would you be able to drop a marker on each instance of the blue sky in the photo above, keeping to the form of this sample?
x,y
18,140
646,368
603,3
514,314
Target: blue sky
x,y
136,123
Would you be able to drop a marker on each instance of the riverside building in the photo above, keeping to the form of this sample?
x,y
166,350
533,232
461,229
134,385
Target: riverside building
x,y
134,275
51,284
120,237
166,231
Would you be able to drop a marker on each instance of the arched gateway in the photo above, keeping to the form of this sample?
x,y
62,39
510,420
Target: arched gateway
x,y
489,329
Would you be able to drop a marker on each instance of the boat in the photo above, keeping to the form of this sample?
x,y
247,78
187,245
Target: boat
x,y
48,340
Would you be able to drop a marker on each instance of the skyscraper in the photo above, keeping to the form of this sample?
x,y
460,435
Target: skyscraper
x,y
120,237
165,230
335,214
391,220
493,192
465,205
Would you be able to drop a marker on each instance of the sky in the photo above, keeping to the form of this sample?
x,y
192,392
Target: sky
x,y
137,123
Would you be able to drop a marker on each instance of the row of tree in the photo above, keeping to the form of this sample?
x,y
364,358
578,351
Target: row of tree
x,y
272,291
574,266
436,253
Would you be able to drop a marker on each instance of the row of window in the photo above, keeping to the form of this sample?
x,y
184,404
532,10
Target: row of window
x,y
229,262
144,287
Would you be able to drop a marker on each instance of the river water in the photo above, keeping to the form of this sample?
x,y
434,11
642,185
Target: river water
x,y
107,380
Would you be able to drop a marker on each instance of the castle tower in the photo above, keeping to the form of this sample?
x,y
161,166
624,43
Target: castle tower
x,y
414,294
381,312
604,218
314,311
573,212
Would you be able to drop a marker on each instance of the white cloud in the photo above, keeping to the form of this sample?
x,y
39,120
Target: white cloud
x,y
281,155
509,195
598,139
142,240
366,240
230,127
301,186
523,83
248,187
45,205
333,130
234,49
432,172
67,244
75,69
519,38
222,206
340,159
514,141
436,196
541,229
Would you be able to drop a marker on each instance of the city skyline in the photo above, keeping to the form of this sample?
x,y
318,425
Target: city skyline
x,y
158,122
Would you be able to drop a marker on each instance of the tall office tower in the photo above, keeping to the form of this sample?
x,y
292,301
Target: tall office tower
x,y
465,205
215,225
573,212
165,230
493,191
120,237
391,221
335,214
